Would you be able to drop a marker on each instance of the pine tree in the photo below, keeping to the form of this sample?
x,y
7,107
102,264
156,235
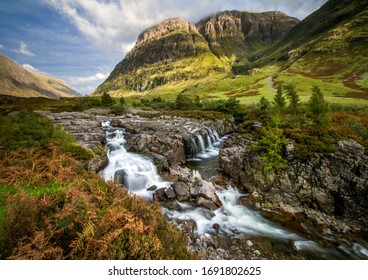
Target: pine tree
x,y
293,98
271,144
264,105
106,100
318,108
279,99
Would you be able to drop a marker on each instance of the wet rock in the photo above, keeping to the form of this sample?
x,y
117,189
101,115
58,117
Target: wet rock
x,y
182,191
152,188
204,189
98,163
207,203
159,195
171,205
119,176
170,193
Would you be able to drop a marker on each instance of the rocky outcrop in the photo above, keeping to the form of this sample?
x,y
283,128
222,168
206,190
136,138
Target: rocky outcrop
x,y
167,139
238,32
328,187
190,187
87,131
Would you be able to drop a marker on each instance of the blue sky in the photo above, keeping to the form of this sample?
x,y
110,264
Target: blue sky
x,y
81,41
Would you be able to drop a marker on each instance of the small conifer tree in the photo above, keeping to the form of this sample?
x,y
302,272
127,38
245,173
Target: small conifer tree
x,y
279,99
106,100
318,108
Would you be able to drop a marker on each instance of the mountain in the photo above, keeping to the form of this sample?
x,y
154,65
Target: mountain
x,y
19,82
329,45
246,55
176,50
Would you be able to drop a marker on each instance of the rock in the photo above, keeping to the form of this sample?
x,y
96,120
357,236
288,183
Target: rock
x,y
182,191
204,189
119,176
98,163
207,203
257,126
249,243
171,205
159,195
170,193
152,188
351,147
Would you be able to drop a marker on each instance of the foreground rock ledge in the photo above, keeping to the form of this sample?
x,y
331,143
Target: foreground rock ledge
x,y
330,188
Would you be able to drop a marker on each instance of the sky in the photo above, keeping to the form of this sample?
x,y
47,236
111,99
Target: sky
x,y
81,41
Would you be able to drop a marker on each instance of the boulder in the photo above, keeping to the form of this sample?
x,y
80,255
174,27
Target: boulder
x,y
182,191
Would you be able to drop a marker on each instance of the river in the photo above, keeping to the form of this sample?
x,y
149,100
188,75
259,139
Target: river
x,y
277,236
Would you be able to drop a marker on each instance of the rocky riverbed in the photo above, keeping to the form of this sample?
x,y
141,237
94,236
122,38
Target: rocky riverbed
x,y
323,196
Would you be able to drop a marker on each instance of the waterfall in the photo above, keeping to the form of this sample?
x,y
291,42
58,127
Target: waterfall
x,y
205,144
136,172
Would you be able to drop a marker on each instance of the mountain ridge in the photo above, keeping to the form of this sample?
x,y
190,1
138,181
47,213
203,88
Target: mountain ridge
x,y
19,82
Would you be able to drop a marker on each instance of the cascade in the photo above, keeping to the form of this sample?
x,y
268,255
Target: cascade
x,y
136,172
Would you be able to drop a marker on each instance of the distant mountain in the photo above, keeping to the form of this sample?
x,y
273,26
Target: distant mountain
x,y
19,82
178,50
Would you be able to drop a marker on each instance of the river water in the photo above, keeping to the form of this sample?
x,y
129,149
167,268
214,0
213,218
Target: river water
x,y
138,173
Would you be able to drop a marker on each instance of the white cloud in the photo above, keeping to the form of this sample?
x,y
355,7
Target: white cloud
x,y
23,49
78,81
1,46
86,84
30,68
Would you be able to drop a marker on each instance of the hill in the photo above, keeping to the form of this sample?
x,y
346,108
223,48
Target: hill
x,y
17,81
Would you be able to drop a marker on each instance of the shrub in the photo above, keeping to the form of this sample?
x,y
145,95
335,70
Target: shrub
x,y
106,100
118,109
318,108
25,129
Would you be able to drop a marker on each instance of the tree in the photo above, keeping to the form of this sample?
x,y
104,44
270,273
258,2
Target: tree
x,y
197,102
106,100
122,100
271,144
293,98
231,106
318,108
183,102
264,105
279,99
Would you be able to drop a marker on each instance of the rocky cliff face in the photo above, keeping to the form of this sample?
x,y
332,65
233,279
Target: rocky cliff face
x,y
326,186
176,49
236,33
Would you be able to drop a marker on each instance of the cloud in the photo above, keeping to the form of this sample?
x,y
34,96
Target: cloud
x,y
86,84
1,46
78,81
30,68
23,49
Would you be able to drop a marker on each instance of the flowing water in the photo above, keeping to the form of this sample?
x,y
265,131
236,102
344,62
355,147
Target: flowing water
x,y
138,173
